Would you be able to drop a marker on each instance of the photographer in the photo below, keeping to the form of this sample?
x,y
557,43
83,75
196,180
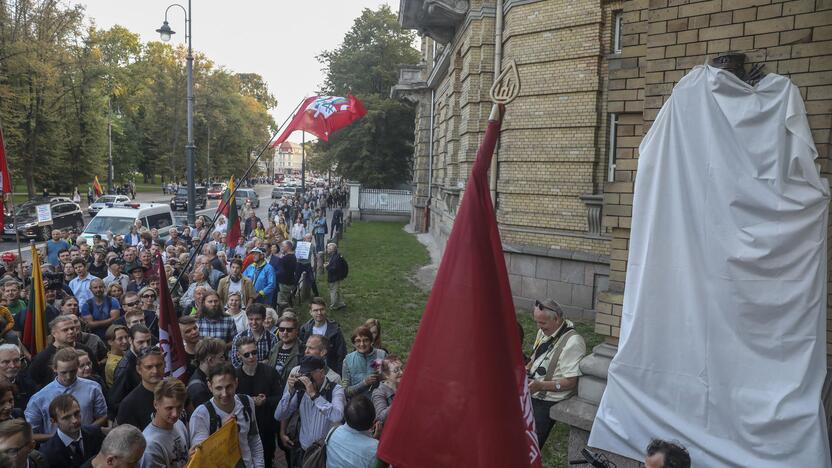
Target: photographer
x,y
316,402
553,370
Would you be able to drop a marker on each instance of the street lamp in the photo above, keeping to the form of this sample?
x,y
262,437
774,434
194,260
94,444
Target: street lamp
x,y
165,33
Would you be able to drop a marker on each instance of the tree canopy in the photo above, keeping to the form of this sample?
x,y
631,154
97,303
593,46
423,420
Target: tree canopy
x,y
378,149
62,82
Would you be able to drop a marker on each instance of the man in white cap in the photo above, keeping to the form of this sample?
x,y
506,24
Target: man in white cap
x,y
262,277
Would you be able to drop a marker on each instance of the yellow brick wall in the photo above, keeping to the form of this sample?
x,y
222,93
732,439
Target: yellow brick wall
x,y
663,40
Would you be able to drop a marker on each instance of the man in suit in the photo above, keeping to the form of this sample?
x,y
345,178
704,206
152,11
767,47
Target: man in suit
x,y
72,444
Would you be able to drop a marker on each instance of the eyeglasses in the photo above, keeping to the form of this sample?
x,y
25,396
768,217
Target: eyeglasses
x,y
540,305
285,329
249,354
131,304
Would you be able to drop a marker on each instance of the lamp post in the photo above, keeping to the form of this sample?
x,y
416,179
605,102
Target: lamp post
x,y
165,32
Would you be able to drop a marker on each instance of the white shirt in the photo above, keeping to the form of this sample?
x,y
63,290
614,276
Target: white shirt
x,y
251,447
319,330
68,440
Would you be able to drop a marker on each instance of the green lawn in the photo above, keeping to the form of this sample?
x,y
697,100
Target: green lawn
x,y
382,259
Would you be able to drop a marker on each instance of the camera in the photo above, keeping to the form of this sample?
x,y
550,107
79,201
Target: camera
x,y
299,386
53,280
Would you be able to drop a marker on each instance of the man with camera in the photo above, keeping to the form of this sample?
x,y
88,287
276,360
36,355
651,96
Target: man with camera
x,y
316,402
553,369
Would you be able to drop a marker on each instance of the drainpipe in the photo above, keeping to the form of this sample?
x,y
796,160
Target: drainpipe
x,y
498,60
430,162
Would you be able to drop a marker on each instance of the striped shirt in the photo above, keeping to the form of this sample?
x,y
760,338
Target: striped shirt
x,y
316,416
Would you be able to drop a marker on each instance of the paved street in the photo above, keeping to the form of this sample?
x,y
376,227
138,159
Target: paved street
x,y
263,191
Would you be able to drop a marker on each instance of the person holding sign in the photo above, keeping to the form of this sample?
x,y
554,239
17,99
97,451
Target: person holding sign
x,y
306,253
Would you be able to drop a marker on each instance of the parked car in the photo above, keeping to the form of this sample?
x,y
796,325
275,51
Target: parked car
x,y
119,219
65,215
180,200
106,201
247,194
277,192
216,191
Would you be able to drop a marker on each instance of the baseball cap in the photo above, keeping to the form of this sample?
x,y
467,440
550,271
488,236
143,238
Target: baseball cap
x,y
310,363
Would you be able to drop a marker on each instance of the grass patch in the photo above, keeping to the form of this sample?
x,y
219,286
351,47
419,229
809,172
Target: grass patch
x,y
382,260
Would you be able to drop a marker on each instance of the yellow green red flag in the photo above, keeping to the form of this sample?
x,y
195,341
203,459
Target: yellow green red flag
x,y
34,326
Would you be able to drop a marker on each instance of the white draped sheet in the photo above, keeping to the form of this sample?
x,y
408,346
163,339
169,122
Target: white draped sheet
x,y
724,322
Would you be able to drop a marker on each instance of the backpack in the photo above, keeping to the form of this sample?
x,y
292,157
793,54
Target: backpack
x,y
293,423
346,267
315,455
214,418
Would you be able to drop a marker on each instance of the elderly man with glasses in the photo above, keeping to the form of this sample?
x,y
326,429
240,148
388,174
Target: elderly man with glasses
x,y
553,368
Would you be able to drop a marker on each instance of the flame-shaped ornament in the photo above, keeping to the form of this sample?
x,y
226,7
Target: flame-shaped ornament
x,y
507,86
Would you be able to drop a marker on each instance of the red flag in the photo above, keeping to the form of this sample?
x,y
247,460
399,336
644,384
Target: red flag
x,y
170,337
5,181
323,115
228,207
464,400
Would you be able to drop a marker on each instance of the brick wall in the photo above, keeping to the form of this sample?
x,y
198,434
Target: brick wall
x,y
663,40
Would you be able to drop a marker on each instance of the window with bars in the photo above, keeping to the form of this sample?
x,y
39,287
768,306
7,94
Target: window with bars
x,y
613,143
617,17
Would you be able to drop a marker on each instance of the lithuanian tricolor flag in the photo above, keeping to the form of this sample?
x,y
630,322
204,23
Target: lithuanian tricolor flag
x,y
34,328
96,187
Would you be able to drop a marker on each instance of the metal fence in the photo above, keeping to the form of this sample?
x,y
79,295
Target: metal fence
x,y
385,201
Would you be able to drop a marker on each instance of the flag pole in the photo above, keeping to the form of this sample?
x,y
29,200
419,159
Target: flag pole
x,y
303,162
11,199
202,242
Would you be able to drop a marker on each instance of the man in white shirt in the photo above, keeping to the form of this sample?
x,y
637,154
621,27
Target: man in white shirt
x,y
226,404
80,285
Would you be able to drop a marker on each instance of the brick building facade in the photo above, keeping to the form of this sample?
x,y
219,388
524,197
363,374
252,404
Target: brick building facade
x,y
594,75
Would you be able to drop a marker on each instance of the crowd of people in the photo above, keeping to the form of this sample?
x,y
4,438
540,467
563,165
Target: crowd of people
x,y
298,386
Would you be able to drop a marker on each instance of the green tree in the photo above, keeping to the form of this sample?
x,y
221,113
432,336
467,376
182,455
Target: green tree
x,y
378,149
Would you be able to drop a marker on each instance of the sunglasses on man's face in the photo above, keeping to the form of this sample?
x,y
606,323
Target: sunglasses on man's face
x,y
249,354
285,329
131,304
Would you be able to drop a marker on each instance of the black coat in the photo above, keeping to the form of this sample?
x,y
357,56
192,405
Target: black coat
x,y
337,344
336,270
59,455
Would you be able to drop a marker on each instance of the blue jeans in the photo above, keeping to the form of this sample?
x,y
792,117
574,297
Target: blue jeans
x,y
319,242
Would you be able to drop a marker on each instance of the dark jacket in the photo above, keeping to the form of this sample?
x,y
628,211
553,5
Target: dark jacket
x,y
337,344
59,455
294,356
198,391
336,270
286,266
125,379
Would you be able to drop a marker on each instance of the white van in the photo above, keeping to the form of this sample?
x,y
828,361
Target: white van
x,y
119,219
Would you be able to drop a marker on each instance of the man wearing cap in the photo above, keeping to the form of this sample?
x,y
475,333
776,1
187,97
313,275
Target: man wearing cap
x,y
320,404
553,369
114,275
98,266
262,277
137,277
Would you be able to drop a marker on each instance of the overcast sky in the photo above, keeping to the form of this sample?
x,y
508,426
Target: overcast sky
x,y
278,39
